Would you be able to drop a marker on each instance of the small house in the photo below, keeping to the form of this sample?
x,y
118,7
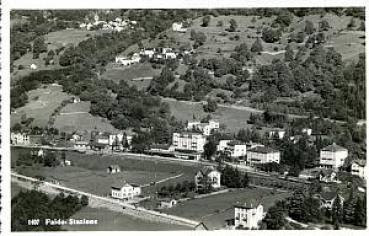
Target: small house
x,y
168,203
113,169
248,215
207,175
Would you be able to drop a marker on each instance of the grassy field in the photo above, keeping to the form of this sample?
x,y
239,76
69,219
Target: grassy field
x,y
117,74
54,40
88,172
75,116
215,210
41,104
233,119
114,221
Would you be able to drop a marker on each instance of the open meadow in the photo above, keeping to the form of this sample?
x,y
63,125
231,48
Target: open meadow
x,y
41,104
76,117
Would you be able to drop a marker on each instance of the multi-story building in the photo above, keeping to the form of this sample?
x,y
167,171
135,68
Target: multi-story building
x,y
188,141
125,191
261,155
206,128
333,156
248,215
232,148
19,138
178,27
207,176
358,168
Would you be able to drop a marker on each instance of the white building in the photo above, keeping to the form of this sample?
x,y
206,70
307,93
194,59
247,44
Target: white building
x,y
113,169
248,215
116,139
33,67
178,27
279,132
168,203
125,191
233,148
150,52
358,168
81,145
307,131
261,155
19,139
188,141
333,156
207,175
206,128
125,61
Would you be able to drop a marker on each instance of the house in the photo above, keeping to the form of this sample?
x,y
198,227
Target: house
x,y
81,145
261,155
67,163
310,174
248,215
76,100
149,52
277,132
113,169
358,168
233,148
125,61
307,131
102,139
188,141
327,199
40,153
207,176
169,203
178,27
206,128
333,156
328,176
170,55
19,139
33,67
116,140
125,191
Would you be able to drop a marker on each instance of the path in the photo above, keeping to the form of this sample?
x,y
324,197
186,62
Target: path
x,y
162,180
75,112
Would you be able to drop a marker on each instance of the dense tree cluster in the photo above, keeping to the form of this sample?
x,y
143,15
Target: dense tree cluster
x,y
232,178
178,190
36,205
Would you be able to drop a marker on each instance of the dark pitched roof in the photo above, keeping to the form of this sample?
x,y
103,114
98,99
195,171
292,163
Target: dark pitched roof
x,y
360,162
334,148
328,195
206,170
114,167
262,149
248,205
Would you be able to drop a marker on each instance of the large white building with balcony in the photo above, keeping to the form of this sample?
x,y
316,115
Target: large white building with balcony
x,y
248,215
262,155
188,141
232,147
125,191
333,156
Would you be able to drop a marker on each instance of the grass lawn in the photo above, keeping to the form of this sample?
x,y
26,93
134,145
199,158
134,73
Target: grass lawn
x,y
88,172
215,210
233,119
118,73
75,116
41,104
115,221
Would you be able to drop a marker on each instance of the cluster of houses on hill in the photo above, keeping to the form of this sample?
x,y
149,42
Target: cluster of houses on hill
x,y
116,25
152,54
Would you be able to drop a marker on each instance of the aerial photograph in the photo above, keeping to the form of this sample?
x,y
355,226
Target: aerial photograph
x,y
188,119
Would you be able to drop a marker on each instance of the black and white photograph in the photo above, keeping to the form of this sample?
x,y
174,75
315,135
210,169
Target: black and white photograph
x,y
179,119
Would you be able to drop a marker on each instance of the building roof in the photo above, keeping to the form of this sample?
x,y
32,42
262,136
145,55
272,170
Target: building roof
x,y
124,184
334,148
360,162
262,149
328,195
206,170
248,205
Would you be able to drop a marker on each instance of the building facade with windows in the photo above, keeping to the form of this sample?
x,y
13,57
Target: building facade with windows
x,y
262,155
333,156
188,141
248,215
